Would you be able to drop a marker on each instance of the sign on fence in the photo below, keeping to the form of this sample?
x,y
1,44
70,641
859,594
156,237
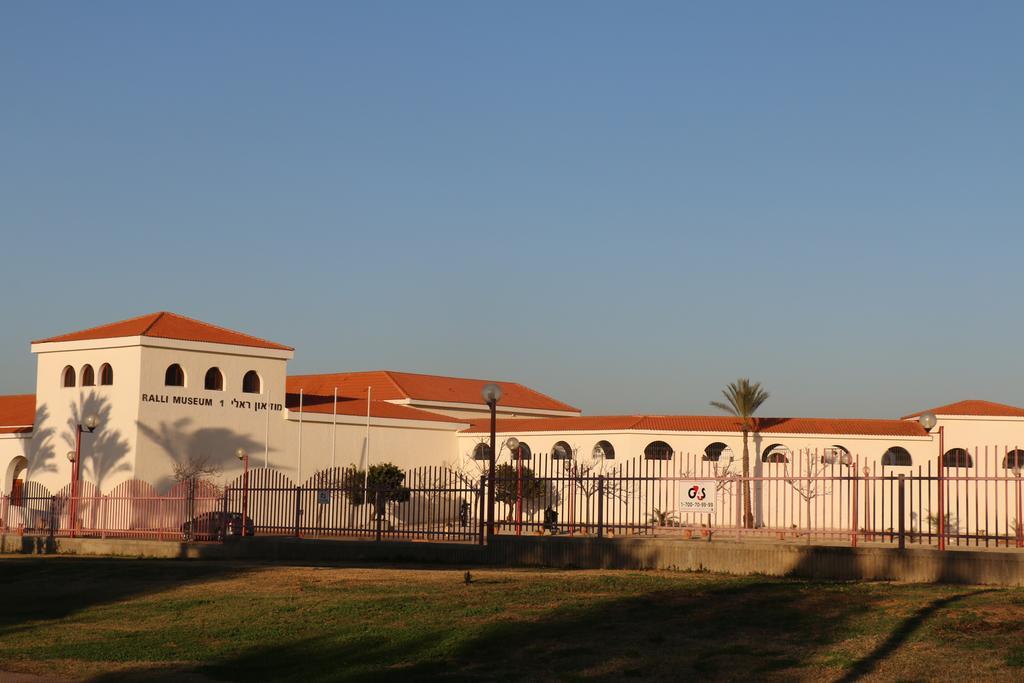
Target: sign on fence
x,y
698,495
323,496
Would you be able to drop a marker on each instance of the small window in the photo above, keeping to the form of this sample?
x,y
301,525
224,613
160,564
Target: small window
x,y
561,451
897,456
957,457
175,376
214,380
88,376
523,451
1014,460
658,450
482,451
604,450
715,451
106,375
836,455
776,453
251,383
68,377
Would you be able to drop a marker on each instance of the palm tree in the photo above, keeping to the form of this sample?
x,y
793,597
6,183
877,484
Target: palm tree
x,y
742,399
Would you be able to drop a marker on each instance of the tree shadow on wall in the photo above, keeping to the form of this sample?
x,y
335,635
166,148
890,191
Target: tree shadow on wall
x,y
104,452
217,445
39,452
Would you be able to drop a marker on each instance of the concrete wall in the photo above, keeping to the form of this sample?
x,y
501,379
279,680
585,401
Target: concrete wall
x,y
812,562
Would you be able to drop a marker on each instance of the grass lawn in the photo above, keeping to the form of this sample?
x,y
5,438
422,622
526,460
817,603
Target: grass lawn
x,y
115,620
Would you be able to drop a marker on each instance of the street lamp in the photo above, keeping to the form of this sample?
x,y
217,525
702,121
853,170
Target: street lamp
x,y
89,424
491,394
242,455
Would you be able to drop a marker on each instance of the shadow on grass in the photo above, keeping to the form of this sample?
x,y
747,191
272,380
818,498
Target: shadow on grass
x,y
35,589
902,632
712,629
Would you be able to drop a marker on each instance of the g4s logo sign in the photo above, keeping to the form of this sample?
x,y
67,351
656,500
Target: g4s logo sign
x,y
698,497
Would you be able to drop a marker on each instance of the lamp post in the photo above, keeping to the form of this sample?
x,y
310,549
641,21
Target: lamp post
x,y
491,394
89,424
242,455
514,445
928,421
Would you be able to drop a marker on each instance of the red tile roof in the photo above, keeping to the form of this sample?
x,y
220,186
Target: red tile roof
x,y
166,325
974,407
705,423
312,403
392,386
17,413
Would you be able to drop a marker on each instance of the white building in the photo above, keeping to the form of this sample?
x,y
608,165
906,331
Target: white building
x,y
168,388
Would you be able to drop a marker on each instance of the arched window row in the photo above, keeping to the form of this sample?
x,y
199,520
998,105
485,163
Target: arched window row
x,y
86,376
777,453
213,380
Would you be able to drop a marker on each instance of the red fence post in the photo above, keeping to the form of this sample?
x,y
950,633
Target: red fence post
x,y
902,512
376,513
480,498
224,521
853,503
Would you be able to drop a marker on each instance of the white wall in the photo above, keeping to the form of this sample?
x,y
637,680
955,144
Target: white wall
x,y
111,449
179,423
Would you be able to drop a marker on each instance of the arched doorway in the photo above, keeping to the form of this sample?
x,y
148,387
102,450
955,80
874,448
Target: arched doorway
x,y
14,482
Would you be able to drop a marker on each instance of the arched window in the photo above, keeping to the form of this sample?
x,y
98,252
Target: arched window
x,y
106,375
658,450
175,376
777,453
251,383
1014,460
604,450
214,380
957,457
67,378
482,451
523,451
714,452
897,456
561,451
836,455
88,376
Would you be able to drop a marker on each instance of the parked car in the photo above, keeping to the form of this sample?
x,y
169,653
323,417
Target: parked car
x,y
215,526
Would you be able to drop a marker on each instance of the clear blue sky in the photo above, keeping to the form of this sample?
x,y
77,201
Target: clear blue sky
x,y
625,205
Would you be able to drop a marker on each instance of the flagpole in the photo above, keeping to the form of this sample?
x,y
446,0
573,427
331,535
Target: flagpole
x,y
334,432
366,475
266,434
298,477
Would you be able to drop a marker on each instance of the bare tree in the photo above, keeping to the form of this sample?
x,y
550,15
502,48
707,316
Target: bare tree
x,y
196,468
813,483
